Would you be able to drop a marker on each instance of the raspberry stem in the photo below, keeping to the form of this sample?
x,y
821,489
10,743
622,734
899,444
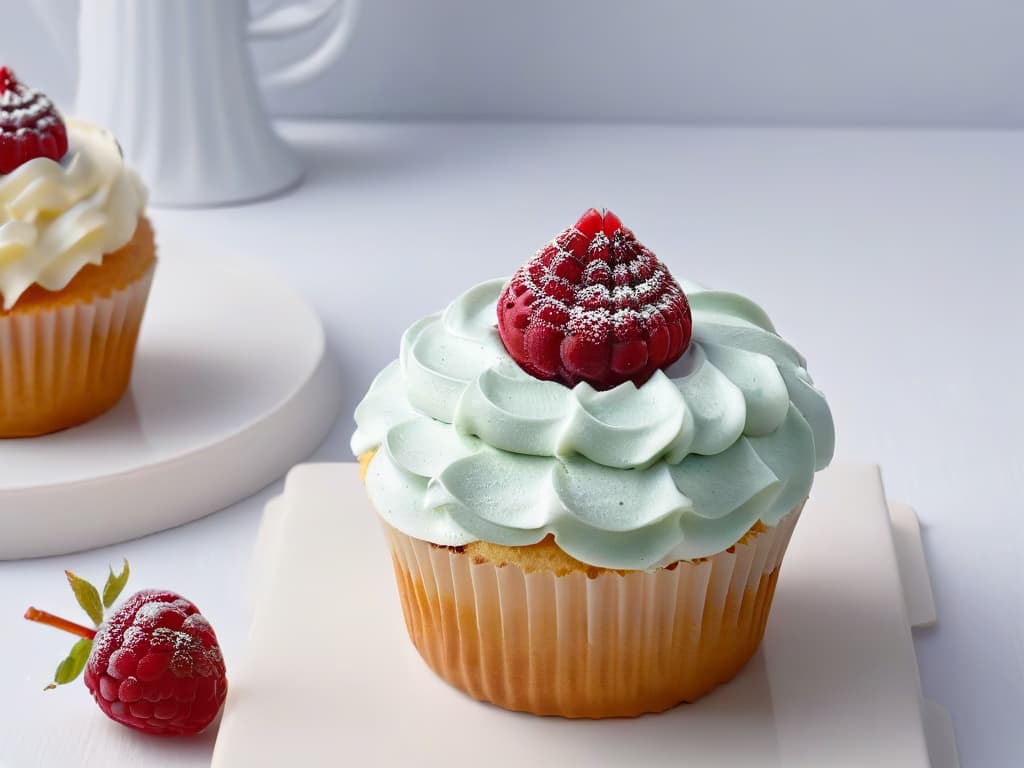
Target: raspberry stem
x,y
34,614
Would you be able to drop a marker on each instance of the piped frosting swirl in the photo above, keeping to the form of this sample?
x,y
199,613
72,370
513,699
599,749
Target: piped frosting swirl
x,y
56,217
471,447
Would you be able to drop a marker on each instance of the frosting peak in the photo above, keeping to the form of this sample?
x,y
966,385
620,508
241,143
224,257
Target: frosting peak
x,y
470,446
56,217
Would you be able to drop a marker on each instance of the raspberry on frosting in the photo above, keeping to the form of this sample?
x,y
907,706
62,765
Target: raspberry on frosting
x,y
30,125
594,305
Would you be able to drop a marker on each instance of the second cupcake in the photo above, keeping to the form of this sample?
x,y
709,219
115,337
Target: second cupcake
x,y
77,257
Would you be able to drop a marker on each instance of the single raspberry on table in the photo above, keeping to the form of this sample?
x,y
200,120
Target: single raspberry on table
x,y
154,665
594,305
30,126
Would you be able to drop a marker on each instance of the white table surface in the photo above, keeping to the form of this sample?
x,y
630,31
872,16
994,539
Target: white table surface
x,y
891,259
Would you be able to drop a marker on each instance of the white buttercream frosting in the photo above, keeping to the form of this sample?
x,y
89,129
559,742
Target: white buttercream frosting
x,y
56,217
471,447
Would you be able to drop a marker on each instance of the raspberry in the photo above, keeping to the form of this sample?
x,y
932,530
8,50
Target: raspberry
x,y
154,665
594,305
30,125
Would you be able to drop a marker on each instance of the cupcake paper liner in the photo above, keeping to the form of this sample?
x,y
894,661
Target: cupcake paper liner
x,y
619,644
65,365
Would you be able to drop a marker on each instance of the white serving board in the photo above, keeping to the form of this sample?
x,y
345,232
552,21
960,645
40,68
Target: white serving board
x,y
329,676
233,384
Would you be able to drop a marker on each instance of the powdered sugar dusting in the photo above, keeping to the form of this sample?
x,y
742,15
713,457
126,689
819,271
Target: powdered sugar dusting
x,y
568,312
30,126
21,106
160,623
606,282
156,665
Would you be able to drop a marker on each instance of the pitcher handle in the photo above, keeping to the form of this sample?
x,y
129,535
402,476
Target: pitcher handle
x,y
299,17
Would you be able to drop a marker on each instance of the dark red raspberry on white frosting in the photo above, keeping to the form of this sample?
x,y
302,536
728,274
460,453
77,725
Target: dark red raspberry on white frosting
x,y
594,305
30,125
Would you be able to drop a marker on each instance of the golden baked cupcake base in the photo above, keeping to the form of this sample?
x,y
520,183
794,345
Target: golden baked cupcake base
x,y
579,644
66,356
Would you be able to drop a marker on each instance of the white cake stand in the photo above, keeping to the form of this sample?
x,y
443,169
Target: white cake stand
x,y
233,384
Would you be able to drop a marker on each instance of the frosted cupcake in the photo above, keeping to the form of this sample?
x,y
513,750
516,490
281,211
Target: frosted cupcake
x,y
77,257
588,479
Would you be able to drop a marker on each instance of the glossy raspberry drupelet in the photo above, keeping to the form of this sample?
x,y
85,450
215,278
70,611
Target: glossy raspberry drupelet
x,y
156,666
30,125
594,305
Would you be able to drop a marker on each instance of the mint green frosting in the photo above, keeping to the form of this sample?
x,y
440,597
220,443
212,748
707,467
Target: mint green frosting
x,y
471,447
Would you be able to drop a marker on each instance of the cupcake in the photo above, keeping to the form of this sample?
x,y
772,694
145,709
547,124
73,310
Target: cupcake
x,y
588,476
77,256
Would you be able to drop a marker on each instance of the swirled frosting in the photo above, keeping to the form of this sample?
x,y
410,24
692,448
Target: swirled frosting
x,y
56,217
470,447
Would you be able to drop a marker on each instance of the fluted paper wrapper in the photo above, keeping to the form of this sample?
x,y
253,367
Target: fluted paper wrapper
x,y
64,365
619,644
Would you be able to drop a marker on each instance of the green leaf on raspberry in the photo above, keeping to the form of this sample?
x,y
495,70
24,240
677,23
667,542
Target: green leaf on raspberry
x,y
72,666
87,597
114,585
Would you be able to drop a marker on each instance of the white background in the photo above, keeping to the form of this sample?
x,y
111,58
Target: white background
x,y
892,258
906,62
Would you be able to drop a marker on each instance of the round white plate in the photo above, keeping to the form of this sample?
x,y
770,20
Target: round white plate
x,y
233,384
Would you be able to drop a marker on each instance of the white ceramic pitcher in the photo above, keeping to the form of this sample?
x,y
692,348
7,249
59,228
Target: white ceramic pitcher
x,y
173,80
